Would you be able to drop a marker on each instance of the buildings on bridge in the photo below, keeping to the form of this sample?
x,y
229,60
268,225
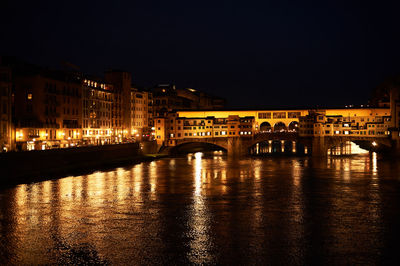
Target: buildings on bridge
x,y
172,128
187,125
359,123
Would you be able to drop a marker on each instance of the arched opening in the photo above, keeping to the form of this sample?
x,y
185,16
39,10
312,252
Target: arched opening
x,y
278,147
265,127
280,127
353,147
192,147
293,126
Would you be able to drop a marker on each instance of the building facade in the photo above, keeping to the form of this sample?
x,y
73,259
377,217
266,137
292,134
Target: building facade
x,y
140,115
7,136
368,122
167,98
97,100
48,109
121,107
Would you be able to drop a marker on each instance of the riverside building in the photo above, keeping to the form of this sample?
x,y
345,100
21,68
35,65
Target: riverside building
x,y
121,106
140,114
7,137
97,100
48,108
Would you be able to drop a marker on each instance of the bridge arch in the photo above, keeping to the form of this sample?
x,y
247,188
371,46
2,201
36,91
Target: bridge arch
x,y
294,126
354,146
193,146
280,127
265,127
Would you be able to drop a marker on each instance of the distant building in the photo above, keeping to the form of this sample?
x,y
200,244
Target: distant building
x,y
167,98
140,115
48,108
121,107
201,100
7,135
43,108
97,100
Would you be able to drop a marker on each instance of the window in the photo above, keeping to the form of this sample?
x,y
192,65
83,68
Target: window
x,y
266,115
279,115
294,114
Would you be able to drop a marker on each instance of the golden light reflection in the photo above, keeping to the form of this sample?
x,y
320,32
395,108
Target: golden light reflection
x,y
296,173
114,205
257,169
197,173
374,164
153,179
346,166
199,220
137,180
297,205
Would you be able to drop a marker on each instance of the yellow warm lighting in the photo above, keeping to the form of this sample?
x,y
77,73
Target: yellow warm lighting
x,y
374,143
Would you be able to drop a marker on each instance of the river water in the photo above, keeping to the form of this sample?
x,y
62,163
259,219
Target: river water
x,y
212,209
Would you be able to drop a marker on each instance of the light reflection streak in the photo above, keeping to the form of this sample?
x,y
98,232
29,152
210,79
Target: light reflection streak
x,y
197,174
296,173
199,220
374,164
153,179
297,206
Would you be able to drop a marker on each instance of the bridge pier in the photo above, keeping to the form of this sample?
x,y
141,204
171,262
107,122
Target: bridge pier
x,y
236,147
319,147
396,142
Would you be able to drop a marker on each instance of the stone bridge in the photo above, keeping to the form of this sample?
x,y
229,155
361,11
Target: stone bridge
x,y
318,146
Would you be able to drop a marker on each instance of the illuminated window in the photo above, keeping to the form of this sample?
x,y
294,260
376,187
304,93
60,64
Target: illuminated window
x,y
29,96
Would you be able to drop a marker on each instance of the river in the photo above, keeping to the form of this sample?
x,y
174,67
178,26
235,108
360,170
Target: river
x,y
211,209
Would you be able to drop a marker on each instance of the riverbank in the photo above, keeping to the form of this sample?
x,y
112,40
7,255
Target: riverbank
x,y
35,166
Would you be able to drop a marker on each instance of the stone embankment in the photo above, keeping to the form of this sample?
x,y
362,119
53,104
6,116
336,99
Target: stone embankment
x,y
33,166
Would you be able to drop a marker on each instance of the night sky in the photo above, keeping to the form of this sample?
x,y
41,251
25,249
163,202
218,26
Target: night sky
x,y
269,54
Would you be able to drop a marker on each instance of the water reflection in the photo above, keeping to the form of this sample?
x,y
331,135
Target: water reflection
x,y
199,218
207,208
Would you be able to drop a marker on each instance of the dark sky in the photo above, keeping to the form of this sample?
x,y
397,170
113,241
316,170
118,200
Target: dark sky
x,y
269,54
